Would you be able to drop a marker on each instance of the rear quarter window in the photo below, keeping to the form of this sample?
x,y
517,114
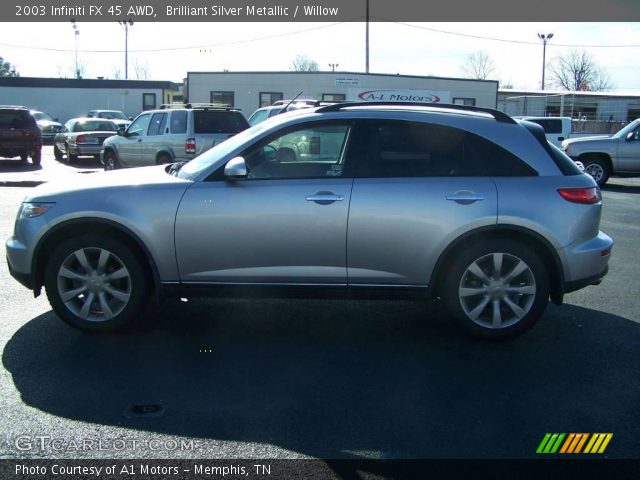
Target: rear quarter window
x,y
207,121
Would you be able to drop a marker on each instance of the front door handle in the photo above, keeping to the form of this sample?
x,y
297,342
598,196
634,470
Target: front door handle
x,y
324,198
465,197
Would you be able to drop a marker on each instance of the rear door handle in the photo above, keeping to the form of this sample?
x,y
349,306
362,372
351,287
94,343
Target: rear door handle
x,y
324,198
465,198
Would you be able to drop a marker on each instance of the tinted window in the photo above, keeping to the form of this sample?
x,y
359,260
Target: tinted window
x,y
16,119
405,149
158,121
178,122
113,114
210,121
550,126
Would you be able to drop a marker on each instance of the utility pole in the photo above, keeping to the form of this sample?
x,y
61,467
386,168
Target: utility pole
x,y
333,66
126,24
75,36
545,39
367,39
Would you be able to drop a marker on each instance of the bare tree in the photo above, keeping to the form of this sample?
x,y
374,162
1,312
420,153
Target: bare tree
x,y
479,66
116,74
302,63
578,71
141,70
7,70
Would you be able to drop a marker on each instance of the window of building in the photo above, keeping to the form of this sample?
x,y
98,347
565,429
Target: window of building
x,y
268,98
469,102
333,97
224,98
148,101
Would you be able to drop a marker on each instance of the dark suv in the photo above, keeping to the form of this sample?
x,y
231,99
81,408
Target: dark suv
x,y
19,134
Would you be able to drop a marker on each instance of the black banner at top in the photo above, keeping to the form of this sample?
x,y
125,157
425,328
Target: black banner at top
x,y
318,10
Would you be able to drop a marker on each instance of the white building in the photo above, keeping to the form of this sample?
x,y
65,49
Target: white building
x,y
66,98
251,90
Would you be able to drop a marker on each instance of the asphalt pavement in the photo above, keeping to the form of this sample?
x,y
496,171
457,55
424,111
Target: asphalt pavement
x,y
334,379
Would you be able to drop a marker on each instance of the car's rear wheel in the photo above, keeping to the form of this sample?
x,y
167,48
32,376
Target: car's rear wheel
x,y
598,168
24,157
111,161
36,158
96,283
57,153
496,289
163,159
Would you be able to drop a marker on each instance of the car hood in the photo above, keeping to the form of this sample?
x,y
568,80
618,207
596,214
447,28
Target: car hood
x,y
48,123
602,140
100,183
119,121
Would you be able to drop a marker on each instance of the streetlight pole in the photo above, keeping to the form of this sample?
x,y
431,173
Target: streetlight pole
x,y
367,38
545,39
75,36
333,66
126,24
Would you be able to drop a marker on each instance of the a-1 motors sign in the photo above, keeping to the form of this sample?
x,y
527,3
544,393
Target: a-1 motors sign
x,y
392,95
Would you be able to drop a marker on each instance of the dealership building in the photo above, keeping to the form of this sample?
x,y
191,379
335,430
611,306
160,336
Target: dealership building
x,y
251,90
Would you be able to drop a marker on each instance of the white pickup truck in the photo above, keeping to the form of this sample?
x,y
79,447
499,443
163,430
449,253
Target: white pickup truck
x,y
604,156
558,129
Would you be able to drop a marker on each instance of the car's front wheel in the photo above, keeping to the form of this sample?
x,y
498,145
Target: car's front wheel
x,y
57,153
110,161
36,158
598,168
96,283
496,289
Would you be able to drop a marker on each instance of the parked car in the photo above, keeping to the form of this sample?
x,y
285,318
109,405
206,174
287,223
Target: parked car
x,y
558,129
417,199
173,133
48,125
19,134
264,113
82,137
118,117
605,156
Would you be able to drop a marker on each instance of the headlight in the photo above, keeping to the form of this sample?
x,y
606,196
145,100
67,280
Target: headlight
x,y
31,210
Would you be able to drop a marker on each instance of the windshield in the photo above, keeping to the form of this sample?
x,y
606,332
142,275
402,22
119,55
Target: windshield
x,y
204,161
113,114
42,116
625,130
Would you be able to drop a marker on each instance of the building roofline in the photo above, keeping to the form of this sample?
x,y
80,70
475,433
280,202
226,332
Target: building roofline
x,y
502,91
343,73
44,82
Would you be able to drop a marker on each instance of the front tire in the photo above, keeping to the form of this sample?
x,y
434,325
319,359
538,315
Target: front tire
x,y
57,153
111,161
36,158
96,283
496,289
598,168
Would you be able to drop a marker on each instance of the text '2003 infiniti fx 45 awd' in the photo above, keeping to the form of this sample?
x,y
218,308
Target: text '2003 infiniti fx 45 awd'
x,y
461,203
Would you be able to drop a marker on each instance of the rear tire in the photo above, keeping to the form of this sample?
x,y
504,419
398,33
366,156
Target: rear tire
x,y
36,158
96,283
24,157
163,159
70,157
496,289
598,168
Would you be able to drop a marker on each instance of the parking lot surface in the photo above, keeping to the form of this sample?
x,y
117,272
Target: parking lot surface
x,y
373,379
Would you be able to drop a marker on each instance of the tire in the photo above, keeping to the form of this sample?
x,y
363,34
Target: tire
x,y
24,157
36,158
598,168
476,289
70,157
111,161
108,293
57,153
163,159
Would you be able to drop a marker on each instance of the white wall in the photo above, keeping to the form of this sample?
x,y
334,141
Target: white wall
x,y
66,103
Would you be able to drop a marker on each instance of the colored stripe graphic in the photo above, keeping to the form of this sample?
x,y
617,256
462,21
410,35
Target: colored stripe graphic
x,y
574,443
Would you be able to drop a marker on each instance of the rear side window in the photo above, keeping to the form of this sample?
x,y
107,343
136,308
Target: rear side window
x,y
209,121
158,121
178,122
16,119
549,125
407,149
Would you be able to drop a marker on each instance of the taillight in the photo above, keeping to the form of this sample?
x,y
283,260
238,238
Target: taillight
x,y
190,145
81,139
586,196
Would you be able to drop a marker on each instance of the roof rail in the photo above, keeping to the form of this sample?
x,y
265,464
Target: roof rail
x,y
498,115
13,106
222,106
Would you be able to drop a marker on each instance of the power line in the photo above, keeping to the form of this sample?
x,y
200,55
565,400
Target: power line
x,y
504,40
175,49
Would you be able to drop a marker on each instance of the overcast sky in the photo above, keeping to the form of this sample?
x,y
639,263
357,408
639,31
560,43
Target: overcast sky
x,y
438,49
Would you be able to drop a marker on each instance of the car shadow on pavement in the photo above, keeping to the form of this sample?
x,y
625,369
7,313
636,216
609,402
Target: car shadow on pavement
x,y
16,165
611,187
341,379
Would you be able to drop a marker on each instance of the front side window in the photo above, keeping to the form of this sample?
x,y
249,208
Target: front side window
x,y
309,152
407,149
158,121
139,126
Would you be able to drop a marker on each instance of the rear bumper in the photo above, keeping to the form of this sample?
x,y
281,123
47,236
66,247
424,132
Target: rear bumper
x,y
587,262
85,149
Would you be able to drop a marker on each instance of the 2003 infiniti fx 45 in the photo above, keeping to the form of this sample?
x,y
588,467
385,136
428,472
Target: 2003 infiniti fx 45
x,y
462,203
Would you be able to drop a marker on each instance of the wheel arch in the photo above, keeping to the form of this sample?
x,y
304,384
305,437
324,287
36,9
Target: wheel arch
x,y
69,228
165,151
583,157
537,242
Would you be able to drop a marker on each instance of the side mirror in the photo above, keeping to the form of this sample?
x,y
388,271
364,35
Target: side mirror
x,y
131,118
631,136
120,132
235,168
56,120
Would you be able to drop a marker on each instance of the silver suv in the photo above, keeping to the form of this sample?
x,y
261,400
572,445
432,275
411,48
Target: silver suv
x,y
461,203
173,133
